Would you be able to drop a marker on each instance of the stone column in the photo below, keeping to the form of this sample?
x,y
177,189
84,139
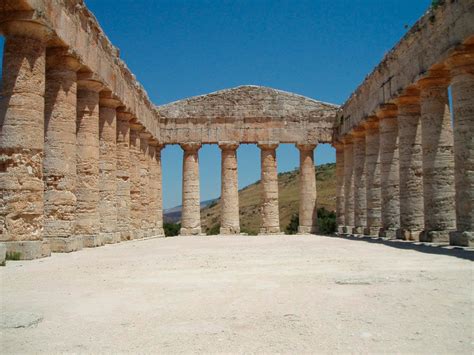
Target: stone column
x,y
308,210
270,213
123,174
372,181
156,187
389,170
411,169
348,184
462,89
339,186
360,192
87,160
22,139
230,223
145,184
438,159
136,210
108,168
59,166
191,209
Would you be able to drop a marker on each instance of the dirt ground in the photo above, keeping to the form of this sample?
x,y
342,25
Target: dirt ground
x,y
285,294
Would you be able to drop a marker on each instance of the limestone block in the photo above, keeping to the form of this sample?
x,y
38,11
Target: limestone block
x,y
360,192
135,182
308,216
269,178
348,184
191,209
339,186
230,223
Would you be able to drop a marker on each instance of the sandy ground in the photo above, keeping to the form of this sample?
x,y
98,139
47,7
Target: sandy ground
x,y
241,294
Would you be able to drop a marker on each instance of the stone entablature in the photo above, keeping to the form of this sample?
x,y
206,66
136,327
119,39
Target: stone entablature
x,y
247,114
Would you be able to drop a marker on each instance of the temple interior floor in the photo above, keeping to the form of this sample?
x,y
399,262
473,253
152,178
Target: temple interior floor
x,y
241,294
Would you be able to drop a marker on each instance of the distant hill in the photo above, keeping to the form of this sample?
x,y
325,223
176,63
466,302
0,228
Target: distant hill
x,y
173,215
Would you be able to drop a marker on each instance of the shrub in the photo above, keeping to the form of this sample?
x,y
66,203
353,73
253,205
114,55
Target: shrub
x,y
171,229
214,230
326,222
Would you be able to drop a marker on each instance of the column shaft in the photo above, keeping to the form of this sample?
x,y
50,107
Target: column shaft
x,y
308,211
348,184
156,180
389,171
270,213
22,141
135,182
191,209
360,192
438,161
145,197
230,223
339,187
59,166
123,175
372,158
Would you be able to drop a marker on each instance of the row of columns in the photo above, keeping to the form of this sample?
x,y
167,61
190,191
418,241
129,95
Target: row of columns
x,y
76,170
230,224
408,171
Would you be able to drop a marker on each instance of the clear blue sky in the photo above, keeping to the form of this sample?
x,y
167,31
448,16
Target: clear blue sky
x,y
320,49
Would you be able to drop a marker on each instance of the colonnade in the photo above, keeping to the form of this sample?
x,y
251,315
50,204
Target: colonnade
x,y
407,171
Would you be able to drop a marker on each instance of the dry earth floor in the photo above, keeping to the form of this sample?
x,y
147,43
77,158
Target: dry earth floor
x,y
288,294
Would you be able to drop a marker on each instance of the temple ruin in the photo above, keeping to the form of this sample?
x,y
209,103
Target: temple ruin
x,y
81,141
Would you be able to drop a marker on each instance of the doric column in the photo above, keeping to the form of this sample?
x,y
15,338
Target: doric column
x,y
339,186
136,210
462,89
59,166
360,192
145,197
438,159
123,174
22,139
372,181
191,208
229,189
270,213
108,168
389,170
411,167
87,160
308,214
348,184
156,205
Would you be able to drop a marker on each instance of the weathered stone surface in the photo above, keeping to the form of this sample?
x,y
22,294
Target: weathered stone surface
x,y
191,209
145,196
348,184
438,159
308,209
339,186
389,171
156,203
230,223
360,194
136,210
269,178
22,138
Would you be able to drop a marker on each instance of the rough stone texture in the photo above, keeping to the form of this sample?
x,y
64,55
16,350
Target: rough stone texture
x,y
389,171
136,210
348,184
87,160
22,138
247,114
373,190
191,209
269,178
108,168
156,205
123,175
308,209
230,223
339,186
411,167
462,89
360,194
438,160
3,253
145,191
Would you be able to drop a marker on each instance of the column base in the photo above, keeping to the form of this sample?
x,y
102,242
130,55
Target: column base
x,y
137,234
3,254
435,236
406,234
347,229
372,231
110,237
158,233
125,235
463,239
388,233
190,231
229,230
269,231
307,230
358,230
92,241
26,250
340,229
65,244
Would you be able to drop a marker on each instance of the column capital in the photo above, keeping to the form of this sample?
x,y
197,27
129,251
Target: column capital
x,y
387,111
107,99
90,81
306,146
434,78
124,115
136,126
228,145
145,135
347,139
191,146
61,58
371,122
358,132
268,145
337,144
462,61
21,24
